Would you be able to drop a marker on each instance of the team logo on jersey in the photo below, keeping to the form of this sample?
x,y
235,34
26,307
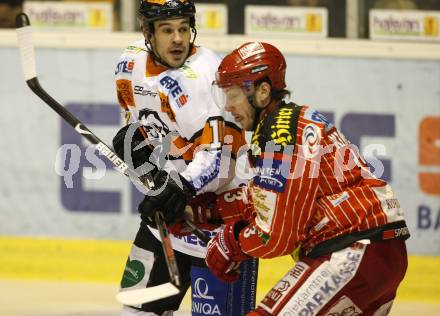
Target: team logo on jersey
x,y
311,139
125,66
155,127
176,92
125,93
165,107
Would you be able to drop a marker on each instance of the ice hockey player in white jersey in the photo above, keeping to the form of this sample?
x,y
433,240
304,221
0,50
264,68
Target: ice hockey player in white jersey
x,y
165,82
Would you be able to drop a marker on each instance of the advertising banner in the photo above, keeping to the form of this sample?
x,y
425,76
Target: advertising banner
x,y
78,16
54,184
212,18
286,21
404,25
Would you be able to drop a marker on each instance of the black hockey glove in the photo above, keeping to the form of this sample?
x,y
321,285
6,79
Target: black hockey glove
x,y
129,144
172,193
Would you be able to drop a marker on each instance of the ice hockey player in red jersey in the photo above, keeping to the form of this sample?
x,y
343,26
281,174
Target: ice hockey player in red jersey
x,y
313,197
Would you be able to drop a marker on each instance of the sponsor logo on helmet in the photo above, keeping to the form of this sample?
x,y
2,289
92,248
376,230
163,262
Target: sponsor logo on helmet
x,y
259,68
251,49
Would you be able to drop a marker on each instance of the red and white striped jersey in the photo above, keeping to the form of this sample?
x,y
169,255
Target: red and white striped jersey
x,y
312,185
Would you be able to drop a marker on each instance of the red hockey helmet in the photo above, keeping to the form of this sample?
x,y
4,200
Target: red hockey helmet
x,y
252,62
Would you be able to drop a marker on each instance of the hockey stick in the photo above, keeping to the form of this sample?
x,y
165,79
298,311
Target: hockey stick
x,y
130,297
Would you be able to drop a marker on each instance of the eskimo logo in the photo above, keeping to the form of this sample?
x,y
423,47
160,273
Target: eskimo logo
x,y
201,289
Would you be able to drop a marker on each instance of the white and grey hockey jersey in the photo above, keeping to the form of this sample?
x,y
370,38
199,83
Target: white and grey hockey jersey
x,y
183,112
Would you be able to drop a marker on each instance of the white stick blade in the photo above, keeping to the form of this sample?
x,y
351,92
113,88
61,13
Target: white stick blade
x,y
146,295
26,47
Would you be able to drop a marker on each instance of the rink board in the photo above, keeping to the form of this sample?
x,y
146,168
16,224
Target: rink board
x,y
104,261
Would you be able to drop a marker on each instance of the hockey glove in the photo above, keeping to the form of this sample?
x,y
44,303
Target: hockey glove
x,y
200,211
233,206
171,195
209,211
130,145
224,254
227,207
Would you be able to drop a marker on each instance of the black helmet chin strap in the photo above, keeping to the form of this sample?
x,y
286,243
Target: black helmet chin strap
x,y
159,59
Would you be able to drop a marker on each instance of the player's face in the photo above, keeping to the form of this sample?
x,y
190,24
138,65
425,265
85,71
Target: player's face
x,y
237,103
171,40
